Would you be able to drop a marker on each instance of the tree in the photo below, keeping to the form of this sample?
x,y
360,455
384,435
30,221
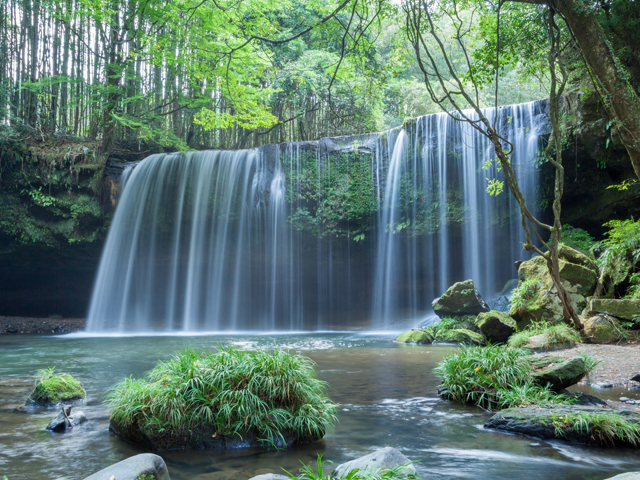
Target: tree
x,y
456,88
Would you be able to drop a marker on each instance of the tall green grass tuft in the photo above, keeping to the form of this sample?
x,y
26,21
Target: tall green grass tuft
x,y
234,393
492,377
603,428
554,335
400,472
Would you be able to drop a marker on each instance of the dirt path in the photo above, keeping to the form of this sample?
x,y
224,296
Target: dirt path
x,y
18,325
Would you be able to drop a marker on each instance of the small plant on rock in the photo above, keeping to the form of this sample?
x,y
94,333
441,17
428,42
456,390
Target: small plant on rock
x,y
51,389
602,428
550,335
523,294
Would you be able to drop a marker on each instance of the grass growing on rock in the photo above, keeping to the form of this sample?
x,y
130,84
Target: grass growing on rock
x,y
234,394
400,472
492,377
603,428
51,389
551,335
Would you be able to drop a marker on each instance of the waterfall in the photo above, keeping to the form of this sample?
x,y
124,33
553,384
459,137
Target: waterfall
x,y
349,232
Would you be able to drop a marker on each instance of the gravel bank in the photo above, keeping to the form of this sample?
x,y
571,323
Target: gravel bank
x,y
18,325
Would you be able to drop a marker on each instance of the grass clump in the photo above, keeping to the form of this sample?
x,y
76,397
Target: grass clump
x,y
492,377
209,399
400,472
550,335
602,428
51,389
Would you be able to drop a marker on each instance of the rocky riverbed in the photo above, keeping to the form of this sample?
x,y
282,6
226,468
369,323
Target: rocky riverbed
x,y
51,325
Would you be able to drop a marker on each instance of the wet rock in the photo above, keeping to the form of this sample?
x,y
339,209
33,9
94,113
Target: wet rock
x,y
270,476
602,385
134,467
562,375
380,460
602,329
626,476
636,377
60,423
624,399
582,399
550,422
622,309
462,298
415,335
460,336
496,326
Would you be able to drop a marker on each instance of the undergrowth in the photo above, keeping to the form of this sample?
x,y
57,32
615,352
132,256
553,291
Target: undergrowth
x,y
524,293
492,377
235,392
603,428
553,335
579,239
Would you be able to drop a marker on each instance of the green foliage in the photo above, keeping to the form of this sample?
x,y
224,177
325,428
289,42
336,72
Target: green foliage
x,y
146,477
400,472
553,335
578,239
492,377
604,428
52,389
524,294
622,241
236,392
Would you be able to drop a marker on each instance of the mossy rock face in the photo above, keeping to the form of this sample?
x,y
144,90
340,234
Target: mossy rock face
x,y
460,336
562,375
496,326
543,342
544,361
600,329
549,422
460,299
623,309
53,390
579,282
415,335
571,255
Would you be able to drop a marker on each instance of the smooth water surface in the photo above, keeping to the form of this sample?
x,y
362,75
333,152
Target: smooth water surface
x,y
387,394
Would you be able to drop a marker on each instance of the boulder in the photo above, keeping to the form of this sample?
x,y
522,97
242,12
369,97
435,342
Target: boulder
x,y
270,476
622,309
636,377
460,336
134,467
602,329
546,422
415,335
543,342
497,327
626,476
380,460
543,303
462,298
562,375
576,257
53,389
60,423
544,361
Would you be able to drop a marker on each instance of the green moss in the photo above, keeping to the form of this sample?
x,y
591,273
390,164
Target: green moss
x,y
146,477
543,336
604,428
52,389
579,239
416,335
200,399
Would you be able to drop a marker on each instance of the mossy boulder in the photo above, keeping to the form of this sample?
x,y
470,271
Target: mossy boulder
x,y
559,422
562,375
544,361
542,302
602,329
460,336
496,326
571,255
460,299
544,342
53,389
622,309
415,335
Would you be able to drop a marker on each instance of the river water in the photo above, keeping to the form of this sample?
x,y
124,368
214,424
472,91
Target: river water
x,y
387,394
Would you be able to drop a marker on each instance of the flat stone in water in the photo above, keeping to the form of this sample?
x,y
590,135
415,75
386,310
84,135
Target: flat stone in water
x,y
602,385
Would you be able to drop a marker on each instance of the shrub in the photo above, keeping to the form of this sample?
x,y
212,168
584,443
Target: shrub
x,y
604,428
51,389
197,397
578,238
553,335
492,377
623,240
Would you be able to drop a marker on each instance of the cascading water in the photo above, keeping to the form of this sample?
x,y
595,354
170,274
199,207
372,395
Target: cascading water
x,y
351,232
